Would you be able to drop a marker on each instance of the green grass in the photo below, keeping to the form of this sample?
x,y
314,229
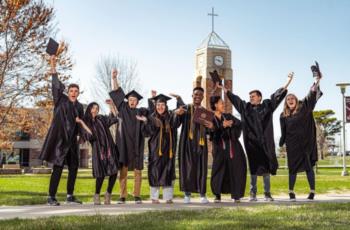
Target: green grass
x,y
32,189
309,216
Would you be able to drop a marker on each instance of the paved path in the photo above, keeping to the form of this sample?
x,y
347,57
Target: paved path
x,y
36,211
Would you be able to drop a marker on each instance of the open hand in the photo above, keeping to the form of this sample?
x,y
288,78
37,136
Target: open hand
x,y
153,93
114,73
180,111
141,118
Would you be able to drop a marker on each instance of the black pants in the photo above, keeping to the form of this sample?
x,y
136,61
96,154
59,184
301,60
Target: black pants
x,y
111,181
310,178
56,176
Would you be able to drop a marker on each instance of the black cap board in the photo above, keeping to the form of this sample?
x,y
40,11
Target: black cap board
x,y
133,93
161,98
215,77
52,47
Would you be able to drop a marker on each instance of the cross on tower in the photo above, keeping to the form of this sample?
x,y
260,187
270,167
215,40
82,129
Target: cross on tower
x,y
212,14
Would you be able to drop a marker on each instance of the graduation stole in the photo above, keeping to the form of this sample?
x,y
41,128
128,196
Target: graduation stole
x,y
232,151
167,128
201,129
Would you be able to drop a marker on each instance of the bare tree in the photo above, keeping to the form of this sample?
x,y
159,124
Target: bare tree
x,y
127,77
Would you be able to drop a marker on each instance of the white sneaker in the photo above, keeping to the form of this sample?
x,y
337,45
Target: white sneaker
x,y
187,200
204,200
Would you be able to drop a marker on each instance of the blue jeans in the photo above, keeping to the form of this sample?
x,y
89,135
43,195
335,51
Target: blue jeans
x,y
253,183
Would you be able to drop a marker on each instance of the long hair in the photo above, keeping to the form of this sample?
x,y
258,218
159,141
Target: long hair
x,y
286,111
88,116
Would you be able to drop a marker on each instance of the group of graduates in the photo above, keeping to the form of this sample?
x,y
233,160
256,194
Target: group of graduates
x,y
71,126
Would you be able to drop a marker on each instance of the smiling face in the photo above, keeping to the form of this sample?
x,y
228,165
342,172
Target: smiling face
x,y
254,98
220,106
133,102
94,111
73,93
160,108
197,97
291,102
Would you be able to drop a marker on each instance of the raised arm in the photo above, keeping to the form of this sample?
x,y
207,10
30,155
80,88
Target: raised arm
x,y
236,101
179,101
314,94
278,96
57,86
117,94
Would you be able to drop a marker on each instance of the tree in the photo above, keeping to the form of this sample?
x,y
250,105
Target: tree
x,y
327,126
127,77
25,26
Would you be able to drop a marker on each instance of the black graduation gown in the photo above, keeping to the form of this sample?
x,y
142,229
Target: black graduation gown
x,y
229,170
61,137
104,152
129,136
161,165
258,131
193,157
299,133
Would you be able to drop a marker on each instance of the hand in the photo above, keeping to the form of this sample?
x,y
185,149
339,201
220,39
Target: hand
x,y
217,85
78,120
109,102
227,123
180,111
208,124
141,118
174,95
114,73
153,93
290,76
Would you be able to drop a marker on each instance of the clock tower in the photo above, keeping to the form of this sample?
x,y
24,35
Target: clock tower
x,y
213,54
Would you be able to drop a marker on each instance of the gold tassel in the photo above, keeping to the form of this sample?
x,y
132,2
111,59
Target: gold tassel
x,y
171,144
201,139
190,133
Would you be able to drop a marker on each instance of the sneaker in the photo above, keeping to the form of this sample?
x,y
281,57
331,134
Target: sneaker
x,y
268,197
108,197
169,201
121,200
137,200
155,201
252,197
311,196
73,200
51,201
217,199
236,200
187,200
97,200
204,200
292,197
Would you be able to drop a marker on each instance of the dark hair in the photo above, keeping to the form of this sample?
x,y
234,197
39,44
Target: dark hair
x,y
87,116
256,91
198,88
73,86
213,101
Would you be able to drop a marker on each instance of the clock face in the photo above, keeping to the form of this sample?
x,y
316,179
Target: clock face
x,y
218,60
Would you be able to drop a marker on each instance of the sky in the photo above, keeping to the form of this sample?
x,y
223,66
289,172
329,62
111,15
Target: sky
x,y
267,38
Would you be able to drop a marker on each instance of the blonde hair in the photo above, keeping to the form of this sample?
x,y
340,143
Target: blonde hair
x,y
286,110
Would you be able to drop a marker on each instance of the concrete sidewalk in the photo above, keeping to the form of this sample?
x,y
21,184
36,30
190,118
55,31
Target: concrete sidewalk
x,y
37,211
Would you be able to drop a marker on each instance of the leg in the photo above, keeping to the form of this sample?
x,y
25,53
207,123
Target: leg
x,y
99,183
55,180
253,182
267,183
168,192
137,183
123,182
311,179
154,193
111,182
72,176
292,180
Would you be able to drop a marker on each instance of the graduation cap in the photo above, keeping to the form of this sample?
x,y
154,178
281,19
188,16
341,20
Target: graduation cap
x,y
161,98
133,93
215,77
316,70
52,47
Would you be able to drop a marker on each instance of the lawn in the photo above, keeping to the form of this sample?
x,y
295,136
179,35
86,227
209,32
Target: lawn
x,y
309,216
32,189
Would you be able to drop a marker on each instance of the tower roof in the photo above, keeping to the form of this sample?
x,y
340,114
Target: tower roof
x,y
213,41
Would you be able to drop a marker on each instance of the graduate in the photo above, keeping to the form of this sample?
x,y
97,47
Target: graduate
x,y
299,134
256,117
104,151
61,146
193,148
129,138
161,127
229,170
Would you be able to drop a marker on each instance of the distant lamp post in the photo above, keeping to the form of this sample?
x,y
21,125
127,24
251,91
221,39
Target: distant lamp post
x,y
342,90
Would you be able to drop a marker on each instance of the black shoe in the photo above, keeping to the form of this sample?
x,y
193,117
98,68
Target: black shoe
x,y
268,196
138,200
51,201
252,197
217,199
121,200
311,196
73,200
292,196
